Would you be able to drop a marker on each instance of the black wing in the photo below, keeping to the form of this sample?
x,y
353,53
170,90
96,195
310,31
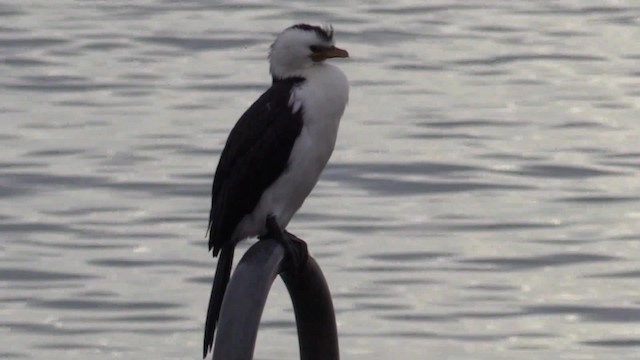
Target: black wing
x,y
256,153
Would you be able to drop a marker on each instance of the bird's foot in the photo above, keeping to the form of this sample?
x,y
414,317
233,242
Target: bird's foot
x,y
295,248
300,255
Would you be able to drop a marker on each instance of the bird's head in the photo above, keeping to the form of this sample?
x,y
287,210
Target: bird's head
x,y
300,47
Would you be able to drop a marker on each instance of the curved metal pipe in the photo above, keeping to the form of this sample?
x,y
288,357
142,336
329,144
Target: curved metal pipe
x,y
247,293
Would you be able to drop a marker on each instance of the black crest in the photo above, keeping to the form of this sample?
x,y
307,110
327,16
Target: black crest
x,y
325,33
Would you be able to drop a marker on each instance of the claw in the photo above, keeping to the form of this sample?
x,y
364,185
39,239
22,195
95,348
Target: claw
x,y
295,248
273,229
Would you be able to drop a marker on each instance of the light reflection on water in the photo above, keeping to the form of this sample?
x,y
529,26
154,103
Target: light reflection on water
x,y
482,201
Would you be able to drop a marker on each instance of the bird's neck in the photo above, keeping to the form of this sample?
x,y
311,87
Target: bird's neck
x,y
279,74
293,79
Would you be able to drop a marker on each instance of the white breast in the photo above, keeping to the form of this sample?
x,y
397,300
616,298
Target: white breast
x,y
322,98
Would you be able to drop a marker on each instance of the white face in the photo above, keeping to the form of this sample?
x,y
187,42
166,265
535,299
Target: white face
x,y
292,51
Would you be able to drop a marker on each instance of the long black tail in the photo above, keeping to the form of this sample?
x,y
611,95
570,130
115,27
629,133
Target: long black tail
x,y
220,281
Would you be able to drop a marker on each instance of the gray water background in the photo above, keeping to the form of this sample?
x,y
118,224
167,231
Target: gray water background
x,y
482,201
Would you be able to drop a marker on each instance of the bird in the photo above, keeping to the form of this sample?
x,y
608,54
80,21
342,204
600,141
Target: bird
x,y
276,152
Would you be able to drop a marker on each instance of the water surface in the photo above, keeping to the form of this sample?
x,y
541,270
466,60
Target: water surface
x,y
482,201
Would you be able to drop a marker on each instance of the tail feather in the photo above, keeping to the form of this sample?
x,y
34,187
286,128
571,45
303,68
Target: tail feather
x,y
220,281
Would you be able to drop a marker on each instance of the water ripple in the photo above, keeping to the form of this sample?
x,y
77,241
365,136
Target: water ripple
x,y
469,124
31,42
48,329
510,59
408,256
599,199
521,263
65,84
392,187
130,263
21,62
613,343
27,275
197,44
607,314
633,274
101,305
562,171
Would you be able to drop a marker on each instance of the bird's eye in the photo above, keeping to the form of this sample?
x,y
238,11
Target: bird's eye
x,y
316,48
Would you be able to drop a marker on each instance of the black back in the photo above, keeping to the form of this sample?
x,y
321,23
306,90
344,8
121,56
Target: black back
x,y
255,155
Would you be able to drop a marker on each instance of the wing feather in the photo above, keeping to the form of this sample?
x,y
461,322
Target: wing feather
x,y
256,153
